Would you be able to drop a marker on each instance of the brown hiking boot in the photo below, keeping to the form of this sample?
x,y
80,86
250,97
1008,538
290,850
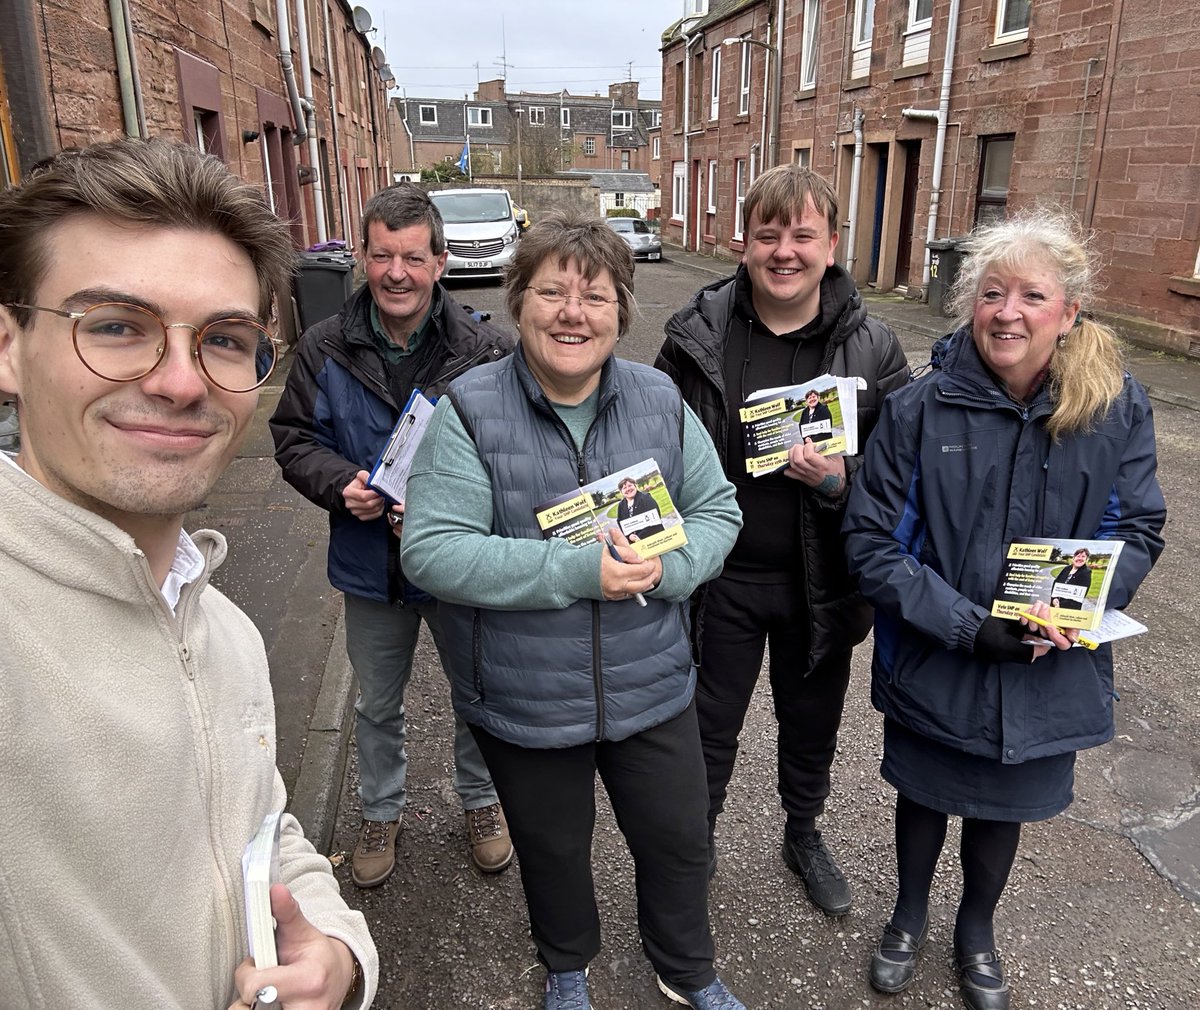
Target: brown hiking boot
x,y
487,834
374,858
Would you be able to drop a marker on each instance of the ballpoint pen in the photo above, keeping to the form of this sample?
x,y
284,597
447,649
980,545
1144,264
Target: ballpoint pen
x,y
1084,640
612,549
399,437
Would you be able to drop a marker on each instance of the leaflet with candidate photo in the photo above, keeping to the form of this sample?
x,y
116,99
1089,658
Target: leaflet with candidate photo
x,y
1071,577
822,411
634,501
389,476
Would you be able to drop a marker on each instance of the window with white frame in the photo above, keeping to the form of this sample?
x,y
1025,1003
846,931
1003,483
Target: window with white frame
x,y
739,196
478,117
622,119
920,14
589,146
1012,20
537,115
809,47
864,30
715,91
625,161
656,148
744,79
564,116
428,115
803,157
656,118
618,199
697,7
678,186
1196,272
712,187
916,35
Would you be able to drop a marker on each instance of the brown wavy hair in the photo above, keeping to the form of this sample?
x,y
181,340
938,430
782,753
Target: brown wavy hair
x,y
141,182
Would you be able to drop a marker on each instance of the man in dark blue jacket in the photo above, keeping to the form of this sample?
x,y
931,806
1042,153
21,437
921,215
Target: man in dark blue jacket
x,y
352,375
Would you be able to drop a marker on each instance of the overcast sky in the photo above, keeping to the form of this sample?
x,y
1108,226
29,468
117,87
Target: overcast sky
x,y
583,46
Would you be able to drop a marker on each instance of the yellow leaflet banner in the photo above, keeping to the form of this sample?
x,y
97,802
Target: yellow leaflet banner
x,y
761,410
563,511
1035,552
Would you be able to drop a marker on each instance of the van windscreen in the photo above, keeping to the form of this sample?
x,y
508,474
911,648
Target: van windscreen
x,y
471,208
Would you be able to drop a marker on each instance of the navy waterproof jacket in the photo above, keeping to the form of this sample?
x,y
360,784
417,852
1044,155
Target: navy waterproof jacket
x,y
954,471
336,413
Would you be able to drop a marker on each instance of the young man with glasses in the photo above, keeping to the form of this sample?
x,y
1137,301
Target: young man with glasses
x,y
352,376
137,731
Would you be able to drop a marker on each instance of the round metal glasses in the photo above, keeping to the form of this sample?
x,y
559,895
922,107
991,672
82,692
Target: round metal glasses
x,y
122,342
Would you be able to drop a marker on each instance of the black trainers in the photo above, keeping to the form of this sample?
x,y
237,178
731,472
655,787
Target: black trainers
x,y
808,858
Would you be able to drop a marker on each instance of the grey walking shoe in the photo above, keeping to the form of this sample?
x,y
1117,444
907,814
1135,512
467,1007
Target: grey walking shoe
x,y
713,996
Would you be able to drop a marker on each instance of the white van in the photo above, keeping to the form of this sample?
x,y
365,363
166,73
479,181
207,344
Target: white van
x,y
481,233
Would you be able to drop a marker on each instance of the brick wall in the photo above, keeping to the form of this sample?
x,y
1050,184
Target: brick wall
x,y
1102,100
227,49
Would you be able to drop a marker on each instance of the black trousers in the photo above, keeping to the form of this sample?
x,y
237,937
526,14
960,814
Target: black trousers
x,y
739,620
655,782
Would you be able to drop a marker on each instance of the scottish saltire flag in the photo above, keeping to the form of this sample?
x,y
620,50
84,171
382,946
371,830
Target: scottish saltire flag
x,y
464,160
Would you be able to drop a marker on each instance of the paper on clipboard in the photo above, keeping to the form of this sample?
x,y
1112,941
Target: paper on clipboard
x,y
390,474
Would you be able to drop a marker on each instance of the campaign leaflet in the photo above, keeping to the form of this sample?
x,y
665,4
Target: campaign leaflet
x,y
823,411
635,501
1071,577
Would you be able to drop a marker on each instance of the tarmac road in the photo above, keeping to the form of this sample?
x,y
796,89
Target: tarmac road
x,y
1103,907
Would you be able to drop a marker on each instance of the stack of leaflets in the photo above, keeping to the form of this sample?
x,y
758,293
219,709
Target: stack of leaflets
x,y
635,501
260,869
1072,577
823,411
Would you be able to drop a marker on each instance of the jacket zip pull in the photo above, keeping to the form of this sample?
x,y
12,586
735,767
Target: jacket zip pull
x,y
186,655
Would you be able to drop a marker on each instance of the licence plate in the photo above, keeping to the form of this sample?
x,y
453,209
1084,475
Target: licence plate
x,y
653,256
479,264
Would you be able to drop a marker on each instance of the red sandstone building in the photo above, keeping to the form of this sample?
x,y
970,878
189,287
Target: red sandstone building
x,y
211,73
933,115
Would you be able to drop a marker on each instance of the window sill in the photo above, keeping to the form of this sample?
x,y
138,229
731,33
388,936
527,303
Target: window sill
x,y
710,239
737,245
1005,51
854,83
916,70
804,94
1187,286
741,118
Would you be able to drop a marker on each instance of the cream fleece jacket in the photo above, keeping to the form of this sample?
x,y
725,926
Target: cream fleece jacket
x,y
137,758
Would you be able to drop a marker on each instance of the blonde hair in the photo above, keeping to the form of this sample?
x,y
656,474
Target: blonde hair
x,y
1086,372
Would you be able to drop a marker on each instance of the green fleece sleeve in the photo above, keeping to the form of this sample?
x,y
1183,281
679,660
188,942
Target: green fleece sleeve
x,y
711,517
449,550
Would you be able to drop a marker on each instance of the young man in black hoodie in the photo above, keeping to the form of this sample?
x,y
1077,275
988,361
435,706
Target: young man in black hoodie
x,y
789,314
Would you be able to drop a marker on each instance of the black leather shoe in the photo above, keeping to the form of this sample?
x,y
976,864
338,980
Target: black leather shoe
x,y
894,962
982,997
808,858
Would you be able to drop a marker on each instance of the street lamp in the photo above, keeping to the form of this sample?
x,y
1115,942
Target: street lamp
x,y
770,89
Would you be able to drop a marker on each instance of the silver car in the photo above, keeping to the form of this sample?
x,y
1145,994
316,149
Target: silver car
x,y
637,235
481,234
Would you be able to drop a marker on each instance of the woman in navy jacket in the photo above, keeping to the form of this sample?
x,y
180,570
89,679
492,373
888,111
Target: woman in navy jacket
x,y
1027,425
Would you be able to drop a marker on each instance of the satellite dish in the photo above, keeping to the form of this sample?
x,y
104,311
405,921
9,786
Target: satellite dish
x,y
362,20
378,57
386,75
